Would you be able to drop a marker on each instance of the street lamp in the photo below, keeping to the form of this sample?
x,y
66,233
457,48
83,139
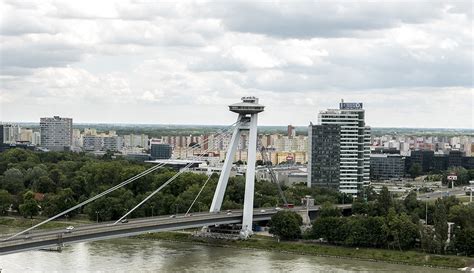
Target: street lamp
x,y
97,216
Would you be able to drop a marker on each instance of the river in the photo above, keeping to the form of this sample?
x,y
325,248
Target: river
x,y
137,255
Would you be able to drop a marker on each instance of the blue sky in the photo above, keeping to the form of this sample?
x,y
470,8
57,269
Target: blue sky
x,y
409,62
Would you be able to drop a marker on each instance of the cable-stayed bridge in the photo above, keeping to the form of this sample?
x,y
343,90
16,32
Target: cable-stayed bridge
x,y
248,111
107,230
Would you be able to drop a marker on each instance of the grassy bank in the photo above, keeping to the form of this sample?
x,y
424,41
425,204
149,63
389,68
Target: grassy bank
x,y
405,257
20,222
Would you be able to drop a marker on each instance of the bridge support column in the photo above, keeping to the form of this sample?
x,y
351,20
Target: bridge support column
x,y
250,179
226,168
248,111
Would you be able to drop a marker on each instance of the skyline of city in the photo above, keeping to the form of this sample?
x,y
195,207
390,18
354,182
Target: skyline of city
x,y
246,136
179,64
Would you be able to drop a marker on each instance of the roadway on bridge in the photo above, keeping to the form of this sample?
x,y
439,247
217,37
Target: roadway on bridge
x,y
106,230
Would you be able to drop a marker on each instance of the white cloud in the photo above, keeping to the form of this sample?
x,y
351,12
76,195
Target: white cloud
x,y
160,61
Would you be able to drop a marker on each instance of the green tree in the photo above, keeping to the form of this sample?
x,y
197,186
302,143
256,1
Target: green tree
x,y
286,225
428,242
384,201
440,219
329,210
44,185
464,241
462,215
415,170
5,202
56,203
330,229
359,206
411,202
29,208
402,231
12,181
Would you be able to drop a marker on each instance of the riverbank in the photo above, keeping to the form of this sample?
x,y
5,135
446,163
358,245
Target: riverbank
x,y
269,244
24,223
306,248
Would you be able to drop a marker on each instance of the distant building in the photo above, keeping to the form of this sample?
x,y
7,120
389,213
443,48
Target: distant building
x,y
291,131
56,133
387,167
112,143
26,135
140,157
455,158
11,133
339,149
1,134
36,139
324,156
160,151
422,157
93,143
440,162
135,140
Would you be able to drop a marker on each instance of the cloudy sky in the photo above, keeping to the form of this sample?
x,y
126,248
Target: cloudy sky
x,y
409,62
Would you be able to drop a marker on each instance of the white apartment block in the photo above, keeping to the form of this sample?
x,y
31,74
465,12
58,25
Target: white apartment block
x,y
354,161
56,133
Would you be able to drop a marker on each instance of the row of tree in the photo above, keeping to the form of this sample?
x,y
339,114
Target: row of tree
x,y
385,222
48,183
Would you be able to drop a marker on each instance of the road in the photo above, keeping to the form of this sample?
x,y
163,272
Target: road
x,y
107,230
441,193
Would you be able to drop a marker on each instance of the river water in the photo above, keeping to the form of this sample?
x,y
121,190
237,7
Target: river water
x,y
136,255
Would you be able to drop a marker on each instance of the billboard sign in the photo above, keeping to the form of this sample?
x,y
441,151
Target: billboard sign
x,y
350,105
452,177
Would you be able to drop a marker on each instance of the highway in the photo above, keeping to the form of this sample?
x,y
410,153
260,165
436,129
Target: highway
x,y
106,230
439,193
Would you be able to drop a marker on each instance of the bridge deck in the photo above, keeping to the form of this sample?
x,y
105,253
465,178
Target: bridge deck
x,y
101,231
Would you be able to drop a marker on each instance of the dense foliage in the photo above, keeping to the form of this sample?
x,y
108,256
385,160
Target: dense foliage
x,y
393,223
66,179
286,225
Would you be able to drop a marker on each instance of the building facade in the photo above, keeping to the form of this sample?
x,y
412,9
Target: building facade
x,y
56,133
387,167
160,151
324,155
353,158
11,133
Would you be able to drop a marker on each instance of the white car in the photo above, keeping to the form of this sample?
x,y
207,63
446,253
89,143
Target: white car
x,y
69,229
262,210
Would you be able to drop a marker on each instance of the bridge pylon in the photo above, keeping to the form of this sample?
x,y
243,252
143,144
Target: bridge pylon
x,y
248,111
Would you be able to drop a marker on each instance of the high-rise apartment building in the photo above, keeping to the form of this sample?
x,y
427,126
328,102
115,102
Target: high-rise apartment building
x,y
56,133
339,149
11,133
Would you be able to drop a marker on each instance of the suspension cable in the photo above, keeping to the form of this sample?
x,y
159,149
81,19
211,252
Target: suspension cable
x,y
165,184
128,181
199,193
267,163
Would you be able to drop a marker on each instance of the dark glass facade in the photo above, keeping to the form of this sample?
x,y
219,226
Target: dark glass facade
x,y
160,151
325,155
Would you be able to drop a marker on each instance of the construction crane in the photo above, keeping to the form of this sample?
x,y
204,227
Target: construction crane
x,y
268,164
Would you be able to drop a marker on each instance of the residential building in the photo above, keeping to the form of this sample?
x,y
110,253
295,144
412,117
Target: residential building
x,y
56,133
93,143
11,133
339,149
112,143
324,156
